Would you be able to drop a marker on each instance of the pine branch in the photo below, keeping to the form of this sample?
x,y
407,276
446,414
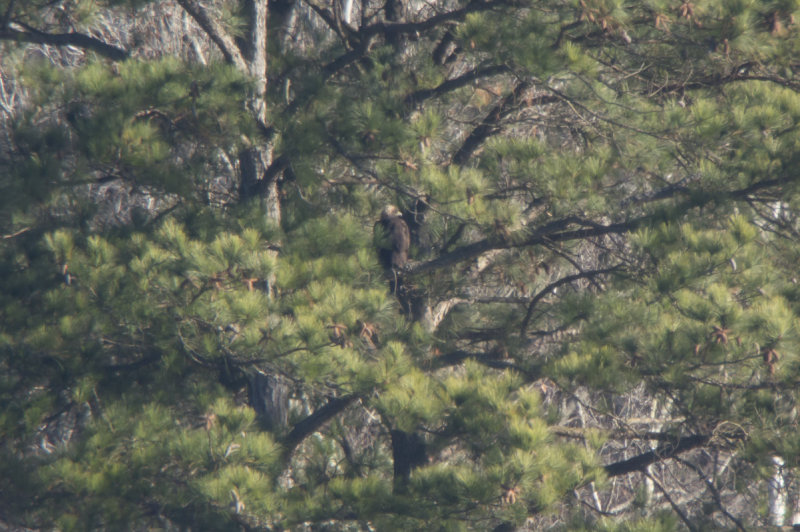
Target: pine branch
x,y
309,425
552,232
738,73
555,284
621,434
556,231
417,97
261,185
328,70
365,35
490,124
216,33
395,28
714,492
80,40
766,385
343,61
662,452
467,252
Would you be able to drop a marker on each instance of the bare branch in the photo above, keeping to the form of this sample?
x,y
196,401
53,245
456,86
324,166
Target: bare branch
x,y
714,492
216,33
79,40
681,513
16,233
434,316
619,434
329,18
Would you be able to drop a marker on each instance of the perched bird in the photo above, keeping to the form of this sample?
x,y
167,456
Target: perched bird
x,y
392,239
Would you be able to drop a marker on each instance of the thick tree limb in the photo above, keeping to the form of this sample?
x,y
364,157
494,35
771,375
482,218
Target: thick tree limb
x,y
345,59
435,314
552,232
442,50
305,427
556,231
491,360
662,452
79,40
417,97
489,124
216,33
467,252
279,164
333,23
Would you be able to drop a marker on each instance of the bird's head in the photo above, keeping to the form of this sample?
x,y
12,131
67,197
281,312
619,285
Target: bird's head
x,y
390,211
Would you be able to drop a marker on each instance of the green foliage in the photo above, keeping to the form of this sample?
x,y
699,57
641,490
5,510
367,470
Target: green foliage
x,y
132,117
603,203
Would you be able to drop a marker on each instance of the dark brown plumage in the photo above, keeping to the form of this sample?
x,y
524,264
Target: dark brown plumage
x,y
393,239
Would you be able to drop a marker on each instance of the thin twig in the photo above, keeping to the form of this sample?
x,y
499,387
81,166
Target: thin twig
x,y
672,503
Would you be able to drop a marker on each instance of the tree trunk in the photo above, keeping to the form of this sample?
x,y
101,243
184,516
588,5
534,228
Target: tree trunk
x,y
254,161
777,493
408,452
268,395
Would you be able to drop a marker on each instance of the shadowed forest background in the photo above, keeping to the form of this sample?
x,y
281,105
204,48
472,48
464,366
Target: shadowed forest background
x,y
597,327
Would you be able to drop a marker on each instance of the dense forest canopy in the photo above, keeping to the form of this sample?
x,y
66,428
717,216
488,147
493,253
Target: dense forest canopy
x,y
586,315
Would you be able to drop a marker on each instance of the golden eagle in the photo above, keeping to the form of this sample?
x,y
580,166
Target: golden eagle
x,y
392,239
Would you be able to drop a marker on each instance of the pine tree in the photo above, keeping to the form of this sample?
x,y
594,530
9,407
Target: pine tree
x,y
597,326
